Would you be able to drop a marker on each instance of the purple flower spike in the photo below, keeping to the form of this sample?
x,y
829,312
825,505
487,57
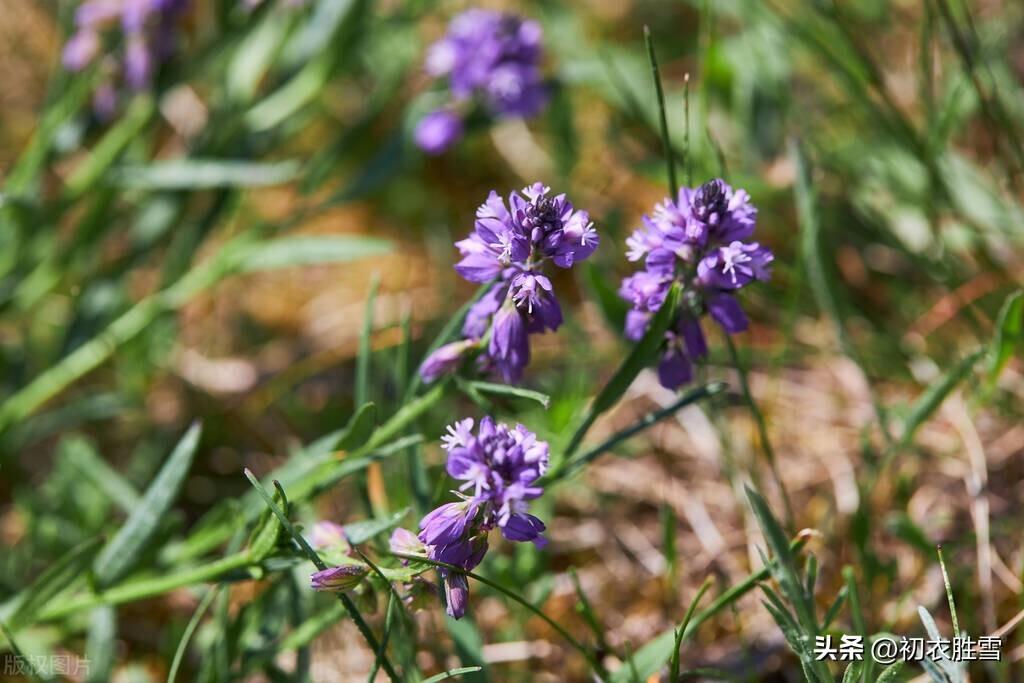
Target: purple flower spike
x,y
494,58
699,240
499,468
338,579
438,131
147,28
512,243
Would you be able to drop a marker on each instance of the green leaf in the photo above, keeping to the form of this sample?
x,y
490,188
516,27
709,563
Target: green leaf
x,y
504,390
932,397
468,644
195,174
784,571
361,532
100,645
653,655
288,252
452,673
82,454
119,556
852,672
255,55
638,359
52,582
267,531
186,637
613,307
1009,335
891,672
362,382
359,429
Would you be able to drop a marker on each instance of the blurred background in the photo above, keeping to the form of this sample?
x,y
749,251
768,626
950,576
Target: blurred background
x,y
880,140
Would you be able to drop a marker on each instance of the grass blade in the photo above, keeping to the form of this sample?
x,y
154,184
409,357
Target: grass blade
x,y
636,361
125,549
452,673
190,629
504,390
666,142
1009,336
50,584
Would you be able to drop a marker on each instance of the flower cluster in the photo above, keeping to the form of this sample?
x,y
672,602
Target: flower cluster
x,y
148,27
499,467
701,241
491,59
512,243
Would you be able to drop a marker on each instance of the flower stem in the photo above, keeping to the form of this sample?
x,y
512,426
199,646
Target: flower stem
x,y
673,186
313,557
517,598
762,429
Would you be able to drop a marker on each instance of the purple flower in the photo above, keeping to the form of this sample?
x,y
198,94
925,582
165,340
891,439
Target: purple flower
x,y
148,28
446,359
499,468
338,579
406,542
512,243
438,130
700,241
489,58
327,534
735,265
456,594
447,524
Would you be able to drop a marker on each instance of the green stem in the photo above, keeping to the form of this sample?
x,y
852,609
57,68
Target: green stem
x,y
762,428
313,557
513,596
569,467
193,624
666,143
148,588
739,590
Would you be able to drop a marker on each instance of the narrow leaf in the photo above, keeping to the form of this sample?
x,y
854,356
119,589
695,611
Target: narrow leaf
x,y
119,556
452,673
639,358
505,390
932,397
1009,335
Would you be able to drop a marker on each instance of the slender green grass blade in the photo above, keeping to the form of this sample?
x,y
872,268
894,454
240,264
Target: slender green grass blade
x,y
635,362
198,174
506,391
190,629
929,401
52,582
362,383
101,643
125,549
1009,336
452,673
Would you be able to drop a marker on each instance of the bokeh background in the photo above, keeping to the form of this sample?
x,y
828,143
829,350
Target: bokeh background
x,y
880,140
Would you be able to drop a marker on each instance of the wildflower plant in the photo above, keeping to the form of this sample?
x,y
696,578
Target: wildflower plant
x,y
702,241
491,63
147,33
511,245
499,468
